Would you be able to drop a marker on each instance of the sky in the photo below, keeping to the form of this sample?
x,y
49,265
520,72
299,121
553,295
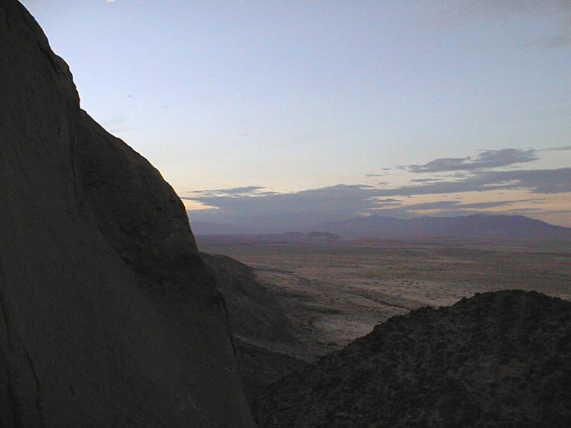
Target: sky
x,y
284,112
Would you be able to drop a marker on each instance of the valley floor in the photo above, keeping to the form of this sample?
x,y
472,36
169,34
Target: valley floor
x,y
336,292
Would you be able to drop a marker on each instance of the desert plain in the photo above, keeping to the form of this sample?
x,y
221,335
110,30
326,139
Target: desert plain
x,y
334,292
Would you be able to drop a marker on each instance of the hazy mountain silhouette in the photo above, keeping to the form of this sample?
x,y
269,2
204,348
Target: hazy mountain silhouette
x,y
470,226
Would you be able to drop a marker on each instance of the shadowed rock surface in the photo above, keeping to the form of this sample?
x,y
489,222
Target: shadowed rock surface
x,y
255,314
260,367
108,316
495,360
260,327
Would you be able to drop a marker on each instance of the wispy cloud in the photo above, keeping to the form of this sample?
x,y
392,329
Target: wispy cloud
x,y
292,211
557,149
296,210
233,191
271,211
536,180
426,180
450,208
485,160
458,205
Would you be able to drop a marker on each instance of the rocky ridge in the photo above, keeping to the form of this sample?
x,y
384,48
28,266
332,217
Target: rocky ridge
x,y
494,360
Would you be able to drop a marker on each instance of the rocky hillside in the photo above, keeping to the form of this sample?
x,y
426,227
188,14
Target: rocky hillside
x,y
495,360
255,314
261,366
262,332
108,315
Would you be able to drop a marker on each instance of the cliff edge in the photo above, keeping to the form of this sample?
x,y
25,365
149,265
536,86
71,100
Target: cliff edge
x,y
108,316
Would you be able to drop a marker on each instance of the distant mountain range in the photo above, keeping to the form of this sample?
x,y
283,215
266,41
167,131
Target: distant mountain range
x,y
470,226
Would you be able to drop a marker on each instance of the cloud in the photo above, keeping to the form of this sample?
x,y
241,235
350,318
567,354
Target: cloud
x,y
291,211
233,191
383,174
536,180
557,149
457,205
485,160
450,208
264,210
425,180
270,211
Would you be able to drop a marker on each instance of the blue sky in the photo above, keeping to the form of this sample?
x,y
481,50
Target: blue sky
x,y
297,96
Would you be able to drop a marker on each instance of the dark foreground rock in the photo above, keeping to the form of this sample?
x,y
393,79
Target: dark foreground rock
x,y
255,314
495,360
108,315
262,331
260,367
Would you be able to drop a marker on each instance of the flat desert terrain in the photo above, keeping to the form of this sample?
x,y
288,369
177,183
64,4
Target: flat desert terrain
x,y
334,292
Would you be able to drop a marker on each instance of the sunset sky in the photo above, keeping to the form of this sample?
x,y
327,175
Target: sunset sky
x,y
329,109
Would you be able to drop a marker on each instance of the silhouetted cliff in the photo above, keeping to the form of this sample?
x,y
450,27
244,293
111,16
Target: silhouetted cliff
x,y
259,324
108,316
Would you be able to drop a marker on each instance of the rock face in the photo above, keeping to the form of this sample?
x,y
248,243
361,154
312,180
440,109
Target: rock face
x,y
260,367
495,360
255,314
108,316
260,327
